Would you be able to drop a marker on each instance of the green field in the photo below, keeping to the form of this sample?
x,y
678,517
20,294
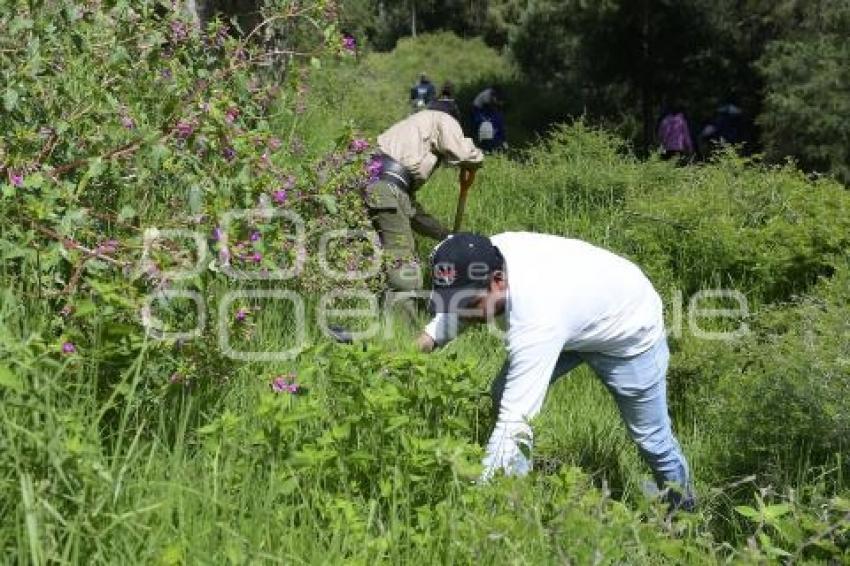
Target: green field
x,y
131,449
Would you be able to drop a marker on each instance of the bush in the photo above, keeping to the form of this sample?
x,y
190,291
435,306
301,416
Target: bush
x,y
786,399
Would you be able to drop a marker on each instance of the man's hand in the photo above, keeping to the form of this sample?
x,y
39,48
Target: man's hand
x,y
425,343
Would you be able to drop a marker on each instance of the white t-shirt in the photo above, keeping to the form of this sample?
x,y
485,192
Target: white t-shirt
x,y
563,294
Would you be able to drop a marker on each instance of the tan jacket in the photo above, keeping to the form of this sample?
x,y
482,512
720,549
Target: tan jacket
x,y
418,141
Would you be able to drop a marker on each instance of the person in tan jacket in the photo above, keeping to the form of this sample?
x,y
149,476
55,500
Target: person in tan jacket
x,y
410,150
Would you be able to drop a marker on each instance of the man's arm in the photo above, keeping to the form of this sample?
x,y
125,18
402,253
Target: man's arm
x,y
533,353
442,329
459,150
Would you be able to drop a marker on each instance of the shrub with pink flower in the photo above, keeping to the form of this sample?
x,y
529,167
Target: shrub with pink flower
x,y
184,129
231,114
284,384
359,145
16,178
374,167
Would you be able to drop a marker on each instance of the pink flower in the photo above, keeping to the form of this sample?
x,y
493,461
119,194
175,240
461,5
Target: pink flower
x,y
16,178
279,196
256,257
284,384
107,247
231,114
348,42
359,145
184,129
241,314
68,348
179,32
374,168
274,144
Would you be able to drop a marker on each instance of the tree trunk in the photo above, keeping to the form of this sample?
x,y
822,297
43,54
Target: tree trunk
x,y
646,86
413,18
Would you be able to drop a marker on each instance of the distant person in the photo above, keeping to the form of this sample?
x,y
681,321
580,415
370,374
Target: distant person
x,y
728,126
410,151
674,134
422,93
488,123
446,101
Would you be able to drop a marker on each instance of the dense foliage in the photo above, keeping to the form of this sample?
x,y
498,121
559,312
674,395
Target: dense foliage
x,y
624,62
121,446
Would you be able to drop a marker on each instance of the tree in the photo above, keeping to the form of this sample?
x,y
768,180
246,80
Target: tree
x,y
624,57
807,90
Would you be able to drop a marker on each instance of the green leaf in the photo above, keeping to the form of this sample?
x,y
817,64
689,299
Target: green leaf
x,y
127,212
34,181
775,511
748,512
315,62
330,203
10,380
10,99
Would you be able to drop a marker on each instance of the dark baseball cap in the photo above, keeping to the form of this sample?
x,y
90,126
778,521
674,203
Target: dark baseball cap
x,y
461,263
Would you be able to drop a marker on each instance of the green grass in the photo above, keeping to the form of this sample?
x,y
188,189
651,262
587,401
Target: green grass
x,y
102,460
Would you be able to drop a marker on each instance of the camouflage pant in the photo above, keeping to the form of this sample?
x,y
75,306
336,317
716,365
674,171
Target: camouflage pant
x,y
396,215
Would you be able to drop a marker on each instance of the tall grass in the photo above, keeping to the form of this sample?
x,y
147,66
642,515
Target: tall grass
x,y
104,460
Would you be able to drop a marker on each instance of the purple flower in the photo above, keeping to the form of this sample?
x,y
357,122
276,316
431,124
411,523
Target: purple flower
x,y
359,145
348,42
231,114
374,167
224,256
68,348
279,196
127,122
179,32
282,384
256,257
217,233
184,129
255,236
107,247
16,178
228,153
220,36
241,314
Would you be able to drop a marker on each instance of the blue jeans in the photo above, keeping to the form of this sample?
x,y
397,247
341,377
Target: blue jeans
x,y
639,386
